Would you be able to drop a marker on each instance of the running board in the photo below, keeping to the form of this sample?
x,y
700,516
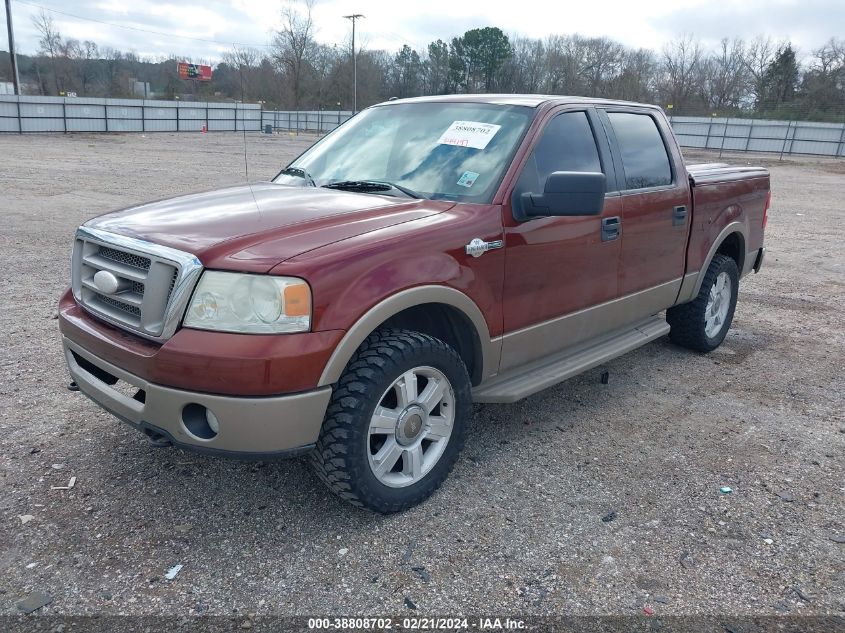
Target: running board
x,y
528,379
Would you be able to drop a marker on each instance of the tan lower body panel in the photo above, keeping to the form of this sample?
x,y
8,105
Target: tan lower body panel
x,y
524,381
248,425
530,343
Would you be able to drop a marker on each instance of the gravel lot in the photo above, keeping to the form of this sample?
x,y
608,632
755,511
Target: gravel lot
x,y
585,499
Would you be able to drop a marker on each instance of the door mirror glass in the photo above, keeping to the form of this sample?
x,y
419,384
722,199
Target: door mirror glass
x,y
567,193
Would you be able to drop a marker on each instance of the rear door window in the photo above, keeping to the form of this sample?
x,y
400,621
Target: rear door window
x,y
642,150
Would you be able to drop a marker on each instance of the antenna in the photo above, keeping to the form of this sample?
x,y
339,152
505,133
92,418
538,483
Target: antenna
x,y
243,121
243,124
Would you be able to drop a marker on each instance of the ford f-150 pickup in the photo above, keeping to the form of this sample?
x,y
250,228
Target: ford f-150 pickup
x,y
427,254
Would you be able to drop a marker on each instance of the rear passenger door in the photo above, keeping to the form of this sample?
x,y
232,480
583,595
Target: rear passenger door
x,y
655,208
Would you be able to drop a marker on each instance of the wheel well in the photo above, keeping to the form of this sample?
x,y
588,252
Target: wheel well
x,y
734,247
448,324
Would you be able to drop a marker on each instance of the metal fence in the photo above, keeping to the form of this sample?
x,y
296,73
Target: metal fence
x,y
67,114
319,121
724,134
64,114
761,135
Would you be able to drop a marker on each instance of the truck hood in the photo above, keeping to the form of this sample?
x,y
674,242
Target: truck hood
x,y
251,228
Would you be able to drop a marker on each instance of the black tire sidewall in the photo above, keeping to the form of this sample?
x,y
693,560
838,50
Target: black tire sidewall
x,y
728,266
401,350
456,374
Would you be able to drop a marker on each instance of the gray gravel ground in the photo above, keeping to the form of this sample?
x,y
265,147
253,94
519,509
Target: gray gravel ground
x,y
517,528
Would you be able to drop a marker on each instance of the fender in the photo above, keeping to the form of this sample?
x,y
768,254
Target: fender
x,y
418,295
692,281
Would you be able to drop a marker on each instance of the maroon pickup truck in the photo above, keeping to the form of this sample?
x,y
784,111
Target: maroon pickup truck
x,y
428,254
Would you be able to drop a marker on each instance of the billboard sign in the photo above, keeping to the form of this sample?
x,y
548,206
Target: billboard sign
x,y
194,71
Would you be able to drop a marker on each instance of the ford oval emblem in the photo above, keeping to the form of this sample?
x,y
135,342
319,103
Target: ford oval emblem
x,y
106,282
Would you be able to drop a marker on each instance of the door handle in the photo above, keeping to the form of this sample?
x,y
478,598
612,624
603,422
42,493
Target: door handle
x,y
611,228
679,215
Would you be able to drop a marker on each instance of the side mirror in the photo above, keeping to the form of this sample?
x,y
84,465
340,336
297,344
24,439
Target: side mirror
x,y
567,193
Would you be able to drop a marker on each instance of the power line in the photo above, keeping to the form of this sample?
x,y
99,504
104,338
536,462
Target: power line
x,y
140,30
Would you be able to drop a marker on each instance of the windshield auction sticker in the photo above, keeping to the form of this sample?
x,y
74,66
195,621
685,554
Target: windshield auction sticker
x,y
469,134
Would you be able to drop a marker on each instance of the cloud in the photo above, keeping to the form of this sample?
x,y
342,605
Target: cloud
x,y
808,23
389,24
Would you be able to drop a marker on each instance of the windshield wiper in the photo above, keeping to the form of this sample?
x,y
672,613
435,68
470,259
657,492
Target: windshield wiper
x,y
365,186
299,173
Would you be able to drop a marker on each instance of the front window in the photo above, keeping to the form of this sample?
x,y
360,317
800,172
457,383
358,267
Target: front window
x,y
451,151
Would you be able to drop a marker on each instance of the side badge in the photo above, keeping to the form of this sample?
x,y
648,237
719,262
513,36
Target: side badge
x,y
477,247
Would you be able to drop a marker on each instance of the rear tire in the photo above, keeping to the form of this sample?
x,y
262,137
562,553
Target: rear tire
x,y
396,422
703,323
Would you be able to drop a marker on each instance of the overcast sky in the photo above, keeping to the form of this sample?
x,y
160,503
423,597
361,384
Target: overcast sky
x,y
390,23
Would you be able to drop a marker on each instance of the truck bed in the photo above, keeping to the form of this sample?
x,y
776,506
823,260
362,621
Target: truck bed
x,y
725,195
708,173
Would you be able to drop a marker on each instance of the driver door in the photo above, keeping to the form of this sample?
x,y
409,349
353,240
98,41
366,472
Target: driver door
x,y
560,272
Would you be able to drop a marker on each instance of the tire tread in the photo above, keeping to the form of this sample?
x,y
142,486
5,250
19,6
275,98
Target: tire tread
x,y
687,320
330,459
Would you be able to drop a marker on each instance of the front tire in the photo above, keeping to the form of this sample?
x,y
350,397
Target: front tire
x,y
396,422
703,323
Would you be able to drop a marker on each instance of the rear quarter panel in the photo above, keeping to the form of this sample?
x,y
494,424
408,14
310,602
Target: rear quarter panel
x,y
722,200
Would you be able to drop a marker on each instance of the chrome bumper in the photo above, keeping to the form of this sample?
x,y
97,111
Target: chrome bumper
x,y
248,426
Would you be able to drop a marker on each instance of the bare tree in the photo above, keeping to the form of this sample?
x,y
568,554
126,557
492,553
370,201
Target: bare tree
x,y
566,64
247,57
294,43
50,42
523,71
555,72
759,56
727,77
603,61
682,72
636,78
830,58
531,64
246,60
823,84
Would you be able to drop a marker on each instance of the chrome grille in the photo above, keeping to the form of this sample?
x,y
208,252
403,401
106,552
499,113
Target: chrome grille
x,y
153,282
122,257
115,303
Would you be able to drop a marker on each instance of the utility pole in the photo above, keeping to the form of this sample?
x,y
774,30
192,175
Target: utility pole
x,y
353,17
12,56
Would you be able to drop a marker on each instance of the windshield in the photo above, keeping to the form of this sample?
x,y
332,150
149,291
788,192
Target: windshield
x,y
454,151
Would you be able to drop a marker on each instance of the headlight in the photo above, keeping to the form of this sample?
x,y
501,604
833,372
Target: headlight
x,y
257,304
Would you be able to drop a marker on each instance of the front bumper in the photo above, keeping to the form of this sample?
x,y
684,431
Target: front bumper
x,y
248,426
205,361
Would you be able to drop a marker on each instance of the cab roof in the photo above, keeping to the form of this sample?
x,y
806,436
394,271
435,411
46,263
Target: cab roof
x,y
528,100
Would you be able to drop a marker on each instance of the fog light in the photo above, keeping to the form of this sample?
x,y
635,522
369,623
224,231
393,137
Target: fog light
x,y
212,421
200,422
